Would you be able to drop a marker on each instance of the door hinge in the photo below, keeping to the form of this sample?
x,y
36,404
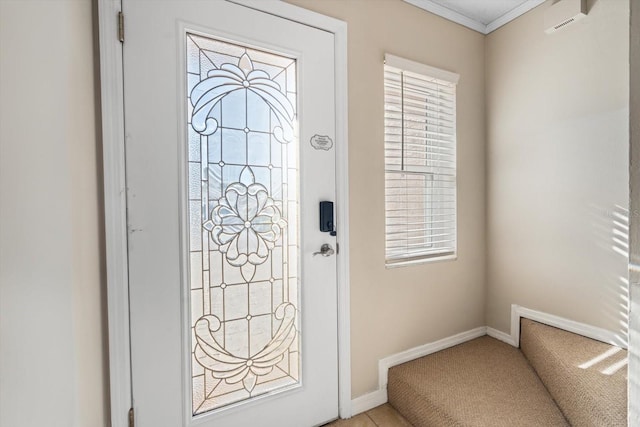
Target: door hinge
x,y
131,418
121,27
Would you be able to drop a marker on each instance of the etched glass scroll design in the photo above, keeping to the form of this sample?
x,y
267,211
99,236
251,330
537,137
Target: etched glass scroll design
x,y
243,219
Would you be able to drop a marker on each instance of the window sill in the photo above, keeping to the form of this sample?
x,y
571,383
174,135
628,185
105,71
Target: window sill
x,y
449,257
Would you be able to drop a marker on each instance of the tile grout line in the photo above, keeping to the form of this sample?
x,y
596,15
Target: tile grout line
x,y
372,420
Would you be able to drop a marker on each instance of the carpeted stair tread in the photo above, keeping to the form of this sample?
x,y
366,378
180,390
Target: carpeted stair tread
x,y
587,378
483,382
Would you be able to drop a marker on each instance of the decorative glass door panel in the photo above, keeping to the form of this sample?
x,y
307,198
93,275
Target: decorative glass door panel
x,y
243,220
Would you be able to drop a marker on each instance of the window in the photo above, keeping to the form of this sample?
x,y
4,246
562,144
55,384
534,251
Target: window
x,y
420,162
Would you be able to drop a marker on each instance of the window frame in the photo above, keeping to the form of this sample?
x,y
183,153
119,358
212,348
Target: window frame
x,y
438,77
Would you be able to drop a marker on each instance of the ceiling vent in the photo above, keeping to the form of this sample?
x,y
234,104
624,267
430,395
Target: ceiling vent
x,y
564,13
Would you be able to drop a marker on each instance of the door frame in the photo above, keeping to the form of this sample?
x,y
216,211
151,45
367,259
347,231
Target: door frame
x,y
115,201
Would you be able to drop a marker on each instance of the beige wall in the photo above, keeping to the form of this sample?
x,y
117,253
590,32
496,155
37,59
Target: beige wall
x,y
52,351
634,276
396,309
557,132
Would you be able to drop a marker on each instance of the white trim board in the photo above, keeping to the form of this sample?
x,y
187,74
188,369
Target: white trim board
x,y
112,107
461,19
369,401
113,131
501,336
583,329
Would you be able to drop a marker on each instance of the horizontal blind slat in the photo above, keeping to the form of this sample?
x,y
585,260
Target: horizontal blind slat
x,y
411,234
394,244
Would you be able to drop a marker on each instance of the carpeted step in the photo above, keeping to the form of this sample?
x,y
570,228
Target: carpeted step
x,y
483,382
587,378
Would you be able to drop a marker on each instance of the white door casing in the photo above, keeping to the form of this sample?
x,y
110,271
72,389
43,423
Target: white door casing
x,y
155,182
112,109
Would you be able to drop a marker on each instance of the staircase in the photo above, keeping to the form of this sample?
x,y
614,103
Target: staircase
x,y
556,378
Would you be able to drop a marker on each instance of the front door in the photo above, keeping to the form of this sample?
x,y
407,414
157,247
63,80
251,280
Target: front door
x,y
229,118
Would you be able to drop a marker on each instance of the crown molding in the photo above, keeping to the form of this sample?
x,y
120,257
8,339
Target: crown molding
x,y
461,19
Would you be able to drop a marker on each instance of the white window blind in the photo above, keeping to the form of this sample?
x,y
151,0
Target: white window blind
x,y
420,161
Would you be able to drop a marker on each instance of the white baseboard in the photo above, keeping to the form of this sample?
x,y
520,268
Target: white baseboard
x,y
368,401
378,397
502,336
583,329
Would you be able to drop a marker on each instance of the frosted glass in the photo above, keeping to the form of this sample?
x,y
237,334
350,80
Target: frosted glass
x,y
242,183
259,298
259,149
234,107
257,117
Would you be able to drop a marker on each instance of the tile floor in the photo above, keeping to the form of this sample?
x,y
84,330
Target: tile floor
x,y
381,416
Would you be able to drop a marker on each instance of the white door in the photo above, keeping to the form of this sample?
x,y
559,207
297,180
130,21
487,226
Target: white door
x,y
230,119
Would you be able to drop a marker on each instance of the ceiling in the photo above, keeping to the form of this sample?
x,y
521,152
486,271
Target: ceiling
x,y
481,15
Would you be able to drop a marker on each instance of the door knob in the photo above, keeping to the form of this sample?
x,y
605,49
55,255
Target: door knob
x,y
325,250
